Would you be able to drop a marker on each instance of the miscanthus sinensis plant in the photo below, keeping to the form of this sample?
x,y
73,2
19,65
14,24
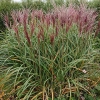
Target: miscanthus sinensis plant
x,y
49,56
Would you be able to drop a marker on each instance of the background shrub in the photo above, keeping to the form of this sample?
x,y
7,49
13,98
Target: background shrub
x,y
6,6
96,5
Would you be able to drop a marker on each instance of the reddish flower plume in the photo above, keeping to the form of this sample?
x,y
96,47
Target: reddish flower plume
x,y
57,30
32,27
53,19
41,34
48,20
52,37
15,28
61,19
6,21
27,36
85,19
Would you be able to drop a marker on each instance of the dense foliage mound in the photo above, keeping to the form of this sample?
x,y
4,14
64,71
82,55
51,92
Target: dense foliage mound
x,y
50,56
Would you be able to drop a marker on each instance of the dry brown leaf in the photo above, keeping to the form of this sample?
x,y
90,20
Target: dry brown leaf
x,y
1,94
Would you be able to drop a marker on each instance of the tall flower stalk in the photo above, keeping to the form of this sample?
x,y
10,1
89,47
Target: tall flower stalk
x,y
60,18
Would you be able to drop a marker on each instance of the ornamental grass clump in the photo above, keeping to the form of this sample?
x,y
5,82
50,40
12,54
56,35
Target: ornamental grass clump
x,y
49,56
